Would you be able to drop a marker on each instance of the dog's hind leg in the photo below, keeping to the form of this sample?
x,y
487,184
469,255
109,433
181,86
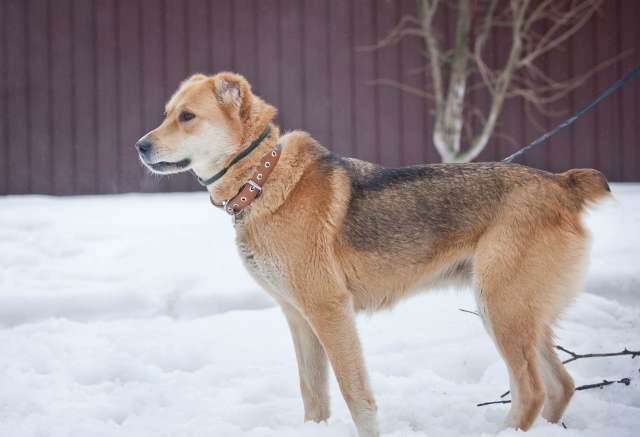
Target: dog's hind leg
x,y
525,276
503,294
515,335
312,366
558,384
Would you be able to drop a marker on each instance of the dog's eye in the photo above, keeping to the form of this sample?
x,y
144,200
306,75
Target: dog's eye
x,y
186,116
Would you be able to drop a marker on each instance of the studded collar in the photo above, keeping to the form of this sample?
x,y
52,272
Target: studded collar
x,y
252,189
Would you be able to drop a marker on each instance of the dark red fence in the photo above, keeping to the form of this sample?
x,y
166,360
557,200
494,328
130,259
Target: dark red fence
x,y
81,80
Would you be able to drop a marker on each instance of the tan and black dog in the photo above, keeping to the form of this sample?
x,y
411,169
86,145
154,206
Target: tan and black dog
x,y
331,236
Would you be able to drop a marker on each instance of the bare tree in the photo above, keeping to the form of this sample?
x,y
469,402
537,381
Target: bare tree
x,y
536,27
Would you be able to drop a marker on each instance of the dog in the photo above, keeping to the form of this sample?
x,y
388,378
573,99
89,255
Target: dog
x,y
328,236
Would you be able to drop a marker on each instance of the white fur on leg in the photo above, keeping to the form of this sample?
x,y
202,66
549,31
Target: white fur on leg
x,y
367,423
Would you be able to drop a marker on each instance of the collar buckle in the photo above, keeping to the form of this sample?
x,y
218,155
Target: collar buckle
x,y
253,187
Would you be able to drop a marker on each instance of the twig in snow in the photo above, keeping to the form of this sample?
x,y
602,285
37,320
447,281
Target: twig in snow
x,y
604,383
625,381
508,401
575,356
469,311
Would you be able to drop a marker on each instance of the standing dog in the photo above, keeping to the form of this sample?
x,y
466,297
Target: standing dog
x,y
330,236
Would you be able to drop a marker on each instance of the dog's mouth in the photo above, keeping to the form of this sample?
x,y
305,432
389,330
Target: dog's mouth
x,y
168,167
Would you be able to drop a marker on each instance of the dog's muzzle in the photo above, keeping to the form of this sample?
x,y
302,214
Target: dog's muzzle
x,y
145,151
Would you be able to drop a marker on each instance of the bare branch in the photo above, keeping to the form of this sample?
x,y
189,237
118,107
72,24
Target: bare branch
x,y
604,383
482,404
487,24
407,26
402,86
536,27
575,17
575,356
519,8
451,124
528,106
469,311
481,40
428,10
626,381
543,90
536,14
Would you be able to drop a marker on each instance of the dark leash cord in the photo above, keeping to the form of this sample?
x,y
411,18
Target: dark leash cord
x,y
627,77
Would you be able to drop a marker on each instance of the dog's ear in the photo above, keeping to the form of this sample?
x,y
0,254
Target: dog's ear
x,y
233,92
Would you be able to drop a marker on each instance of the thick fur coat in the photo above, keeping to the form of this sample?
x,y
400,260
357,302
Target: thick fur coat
x,y
331,236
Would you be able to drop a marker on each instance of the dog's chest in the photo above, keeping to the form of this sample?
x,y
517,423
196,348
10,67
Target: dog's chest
x,y
264,267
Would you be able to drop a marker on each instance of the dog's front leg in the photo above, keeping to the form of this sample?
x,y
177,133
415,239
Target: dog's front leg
x,y
333,321
312,366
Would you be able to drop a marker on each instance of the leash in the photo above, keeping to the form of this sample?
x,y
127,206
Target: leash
x,y
627,77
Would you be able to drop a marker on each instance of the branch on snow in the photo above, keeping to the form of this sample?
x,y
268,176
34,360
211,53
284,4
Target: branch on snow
x,y
604,383
575,356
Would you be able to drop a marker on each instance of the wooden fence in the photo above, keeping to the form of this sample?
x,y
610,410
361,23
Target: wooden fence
x,y
81,80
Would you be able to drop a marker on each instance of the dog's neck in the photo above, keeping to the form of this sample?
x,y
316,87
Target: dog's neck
x,y
237,175
298,152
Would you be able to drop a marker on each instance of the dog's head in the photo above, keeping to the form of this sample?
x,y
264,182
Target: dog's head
x,y
206,122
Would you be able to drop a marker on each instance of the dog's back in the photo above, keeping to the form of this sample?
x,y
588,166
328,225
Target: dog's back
x,y
418,212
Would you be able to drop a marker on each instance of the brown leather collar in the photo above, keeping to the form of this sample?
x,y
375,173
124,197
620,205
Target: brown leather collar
x,y
251,190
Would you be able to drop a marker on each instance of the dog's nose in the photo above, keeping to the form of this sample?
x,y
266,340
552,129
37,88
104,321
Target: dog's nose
x,y
143,146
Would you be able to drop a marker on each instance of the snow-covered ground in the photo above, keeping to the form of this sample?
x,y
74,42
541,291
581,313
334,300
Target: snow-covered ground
x,y
132,316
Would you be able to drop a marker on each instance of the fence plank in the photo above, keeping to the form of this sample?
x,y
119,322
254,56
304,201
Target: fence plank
x,y
17,97
364,34
412,110
62,121
630,96
317,71
176,63
244,39
154,79
559,69
608,150
84,75
389,113
342,134
584,132
292,89
268,47
4,103
221,25
38,104
198,44
130,102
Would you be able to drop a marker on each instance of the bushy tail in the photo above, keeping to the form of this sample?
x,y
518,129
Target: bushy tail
x,y
586,184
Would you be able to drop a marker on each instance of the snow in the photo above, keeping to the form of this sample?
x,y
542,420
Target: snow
x,y
132,315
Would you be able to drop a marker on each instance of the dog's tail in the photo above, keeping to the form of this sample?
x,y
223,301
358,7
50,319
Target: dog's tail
x,y
586,185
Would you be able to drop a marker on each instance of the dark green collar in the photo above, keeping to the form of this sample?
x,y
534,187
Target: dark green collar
x,y
245,152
